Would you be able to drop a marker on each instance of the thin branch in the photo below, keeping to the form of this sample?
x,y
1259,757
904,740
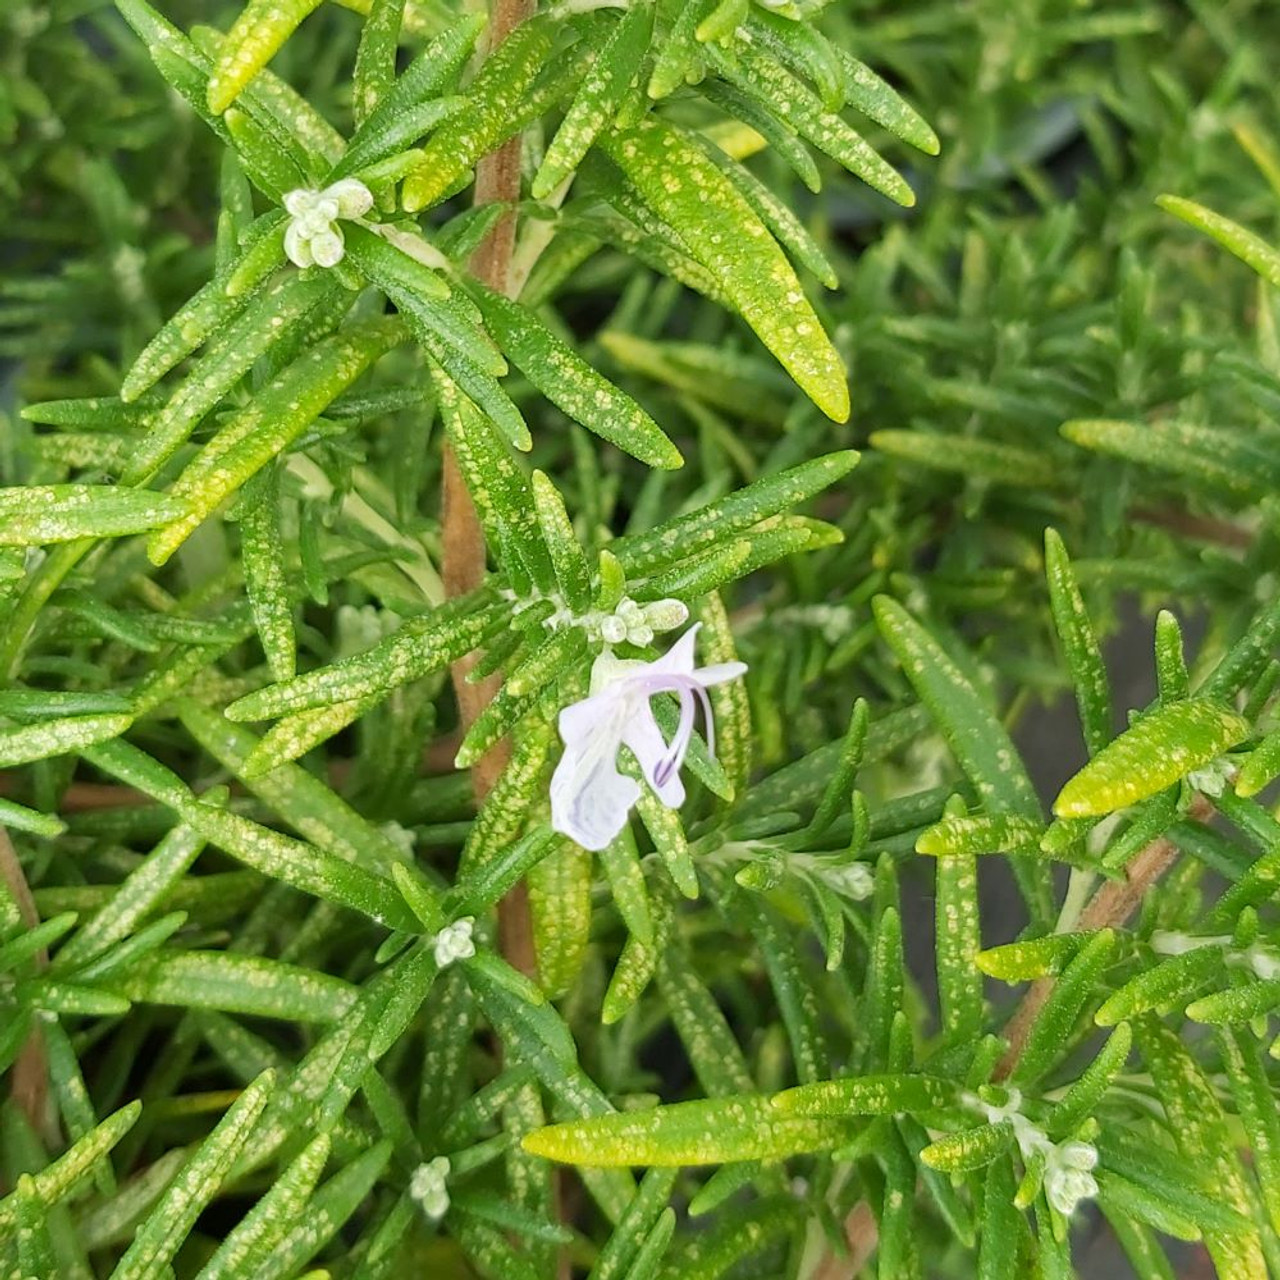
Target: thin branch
x,y
497,178
30,1084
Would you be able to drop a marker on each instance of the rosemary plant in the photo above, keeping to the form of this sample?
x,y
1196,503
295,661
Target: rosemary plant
x,y
576,583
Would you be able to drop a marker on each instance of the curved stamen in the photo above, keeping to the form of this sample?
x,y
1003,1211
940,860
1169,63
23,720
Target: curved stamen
x,y
679,743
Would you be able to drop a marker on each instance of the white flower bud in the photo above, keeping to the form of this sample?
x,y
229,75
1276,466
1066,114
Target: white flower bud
x,y
312,237
640,635
613,630
429,1187
454,942
666,615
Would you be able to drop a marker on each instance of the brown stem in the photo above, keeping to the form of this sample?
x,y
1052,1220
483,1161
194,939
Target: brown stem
x,y
30,1084
497,178
1110,907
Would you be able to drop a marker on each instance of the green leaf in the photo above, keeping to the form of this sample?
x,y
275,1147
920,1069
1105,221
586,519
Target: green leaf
x,y
253,1238
710,1131
598,99
869,1095
724,234
380,95
421,645
256,36
40,514
280,412
1246,246
250,985
1158,750
714,523
58,1179
1053,1031
1081,1100
570,383
163,1231
1079,644
498,107
1223,461
986,460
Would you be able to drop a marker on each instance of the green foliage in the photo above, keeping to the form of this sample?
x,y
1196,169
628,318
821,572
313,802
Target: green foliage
x,y
275,765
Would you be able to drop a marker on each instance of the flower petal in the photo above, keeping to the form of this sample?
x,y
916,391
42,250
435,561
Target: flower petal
x,y
297,248
328,247
644,739
352,197
719,673
590,799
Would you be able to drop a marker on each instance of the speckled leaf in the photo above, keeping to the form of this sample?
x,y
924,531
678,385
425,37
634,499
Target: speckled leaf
x,y
252,1239
1256,1107
966,835
597,101
498,487
560,903
570,383
1158,750
498,107
1236,1004
958,941
872,1095
1079,644
256,36
278,415
165,1228
1261,767
684,535
686,189
710,1131
137,896
37,515
1052,1033
1246,246
1168,982
252,985
1082,1098
1031,957
262,551
761,76
642,1214
1199,1127
980,743
190,326
294,735
61,1176
573,575
232,352
55,737
778,216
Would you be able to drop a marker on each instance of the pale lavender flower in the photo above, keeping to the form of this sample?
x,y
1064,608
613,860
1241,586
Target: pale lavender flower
x,y
590,799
